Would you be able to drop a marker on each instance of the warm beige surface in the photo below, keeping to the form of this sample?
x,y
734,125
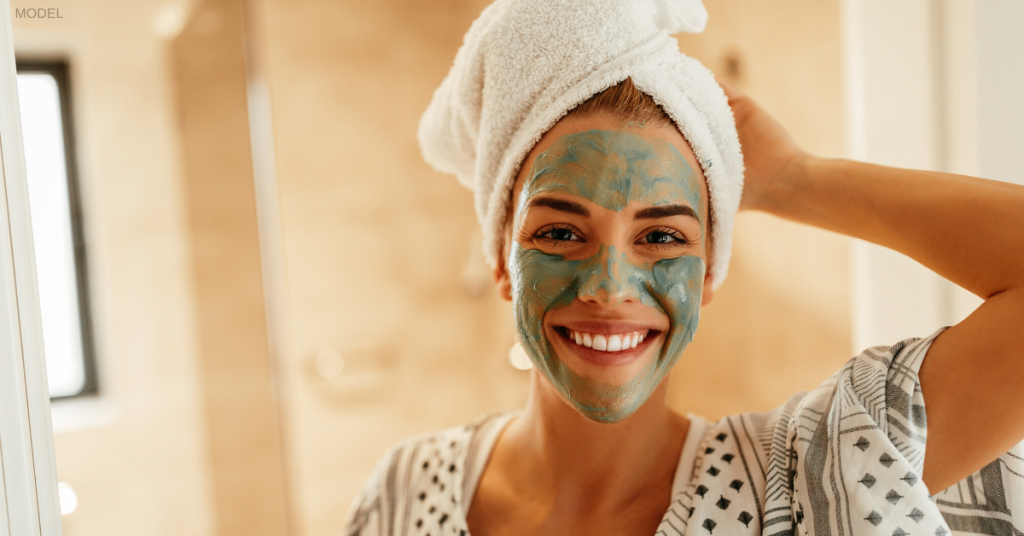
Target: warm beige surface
x,y
145,472
246,463
375,241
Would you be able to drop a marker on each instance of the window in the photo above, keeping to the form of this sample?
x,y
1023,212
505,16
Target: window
x,y
46,122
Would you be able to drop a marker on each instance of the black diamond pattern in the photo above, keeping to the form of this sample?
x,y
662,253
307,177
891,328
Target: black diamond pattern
x,y
721,436
862,444
868,480
941,531
708,450
713,471
722,503
893,497
916,515
728,457
736,484
910,478
874,518
709,524
886,460
746,518
900,532
701,490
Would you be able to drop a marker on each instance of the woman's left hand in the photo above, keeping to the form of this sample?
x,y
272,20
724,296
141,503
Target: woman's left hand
x,y
769,153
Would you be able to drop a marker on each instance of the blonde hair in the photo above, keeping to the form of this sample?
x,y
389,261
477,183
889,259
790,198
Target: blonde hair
x,y
627,102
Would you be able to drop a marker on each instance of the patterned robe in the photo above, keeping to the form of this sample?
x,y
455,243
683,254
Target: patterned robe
x,y
844,459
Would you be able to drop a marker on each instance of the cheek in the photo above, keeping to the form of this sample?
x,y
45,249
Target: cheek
x,y
537,276
539,282
680,283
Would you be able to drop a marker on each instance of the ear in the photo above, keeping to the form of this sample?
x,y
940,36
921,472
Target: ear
x,y
708,293
502,280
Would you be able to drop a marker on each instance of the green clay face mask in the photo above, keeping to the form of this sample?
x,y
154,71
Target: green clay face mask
x,y
612,169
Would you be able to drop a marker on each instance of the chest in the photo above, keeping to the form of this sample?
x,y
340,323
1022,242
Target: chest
x,y
497,511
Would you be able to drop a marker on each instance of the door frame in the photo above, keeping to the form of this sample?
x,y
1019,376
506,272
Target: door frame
x,y
29,503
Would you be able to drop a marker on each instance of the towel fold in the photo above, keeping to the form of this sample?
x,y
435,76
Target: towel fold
x,y
525,63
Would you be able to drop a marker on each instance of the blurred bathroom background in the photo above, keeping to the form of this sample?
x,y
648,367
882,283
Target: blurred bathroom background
x,y
252,284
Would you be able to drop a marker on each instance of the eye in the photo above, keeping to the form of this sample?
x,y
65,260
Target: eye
x,y
659,237
558,233
663,237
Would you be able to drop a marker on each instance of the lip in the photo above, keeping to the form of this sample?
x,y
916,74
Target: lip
x,y
601,358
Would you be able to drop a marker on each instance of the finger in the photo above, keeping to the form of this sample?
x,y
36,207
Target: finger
x,y
731,92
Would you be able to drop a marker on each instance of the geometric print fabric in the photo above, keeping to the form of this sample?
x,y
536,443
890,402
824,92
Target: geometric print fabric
x,y
844,459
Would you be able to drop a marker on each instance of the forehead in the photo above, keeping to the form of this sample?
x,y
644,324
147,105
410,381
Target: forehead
x,y
613,168
611,162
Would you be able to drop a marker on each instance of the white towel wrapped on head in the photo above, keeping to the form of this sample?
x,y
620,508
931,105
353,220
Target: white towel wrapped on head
x,y
525,63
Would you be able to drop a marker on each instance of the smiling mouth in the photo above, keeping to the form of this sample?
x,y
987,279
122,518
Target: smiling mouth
x,y
604,342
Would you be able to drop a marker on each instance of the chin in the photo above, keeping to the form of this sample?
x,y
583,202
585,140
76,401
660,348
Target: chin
x,y
617,411
608,403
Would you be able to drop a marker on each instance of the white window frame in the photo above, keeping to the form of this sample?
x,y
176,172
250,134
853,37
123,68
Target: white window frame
x,y
29,505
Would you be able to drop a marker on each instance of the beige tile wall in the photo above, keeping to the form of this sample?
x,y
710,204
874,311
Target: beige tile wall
x,y
375,243
244,441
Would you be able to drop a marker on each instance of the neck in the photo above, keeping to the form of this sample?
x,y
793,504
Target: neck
x,y
602,463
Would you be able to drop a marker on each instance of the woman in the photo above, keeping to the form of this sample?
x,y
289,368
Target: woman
x,y
605,196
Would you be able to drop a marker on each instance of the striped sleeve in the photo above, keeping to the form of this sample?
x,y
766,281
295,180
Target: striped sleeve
x,y
857,447
381,507
368,514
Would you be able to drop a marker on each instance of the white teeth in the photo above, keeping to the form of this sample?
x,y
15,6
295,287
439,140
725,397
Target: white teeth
x,y
608,343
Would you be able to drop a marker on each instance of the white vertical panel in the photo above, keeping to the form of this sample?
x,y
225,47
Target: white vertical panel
x,y
890,100
911,93
28,497
1000,66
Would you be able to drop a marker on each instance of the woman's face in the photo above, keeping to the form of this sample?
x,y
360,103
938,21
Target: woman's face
x,y
606,260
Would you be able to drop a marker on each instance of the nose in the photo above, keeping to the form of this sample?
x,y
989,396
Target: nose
x,y
603,281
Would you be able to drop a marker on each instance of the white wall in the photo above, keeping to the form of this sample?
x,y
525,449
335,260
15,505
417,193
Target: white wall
x,y
928,85
1000,74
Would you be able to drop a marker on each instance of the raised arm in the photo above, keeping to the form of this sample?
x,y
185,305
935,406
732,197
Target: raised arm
x,y
969,230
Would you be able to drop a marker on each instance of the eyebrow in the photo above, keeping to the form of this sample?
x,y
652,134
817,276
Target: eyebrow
x,y
558,204
666,211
